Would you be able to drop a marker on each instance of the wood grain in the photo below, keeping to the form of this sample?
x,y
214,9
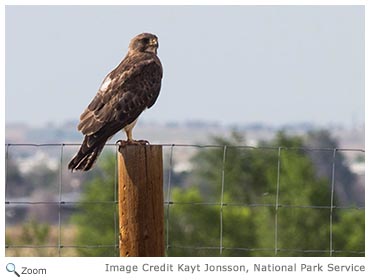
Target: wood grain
x,y
141,202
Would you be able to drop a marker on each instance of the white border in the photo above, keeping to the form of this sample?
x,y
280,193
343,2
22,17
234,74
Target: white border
x,y
85,267
186,2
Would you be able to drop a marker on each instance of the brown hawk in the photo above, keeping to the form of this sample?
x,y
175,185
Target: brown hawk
x,y
125,93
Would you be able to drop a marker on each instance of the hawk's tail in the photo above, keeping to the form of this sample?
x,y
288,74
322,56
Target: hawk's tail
x,y
86,156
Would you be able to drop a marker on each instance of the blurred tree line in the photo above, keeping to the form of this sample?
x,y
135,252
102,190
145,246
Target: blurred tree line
x,y
252,225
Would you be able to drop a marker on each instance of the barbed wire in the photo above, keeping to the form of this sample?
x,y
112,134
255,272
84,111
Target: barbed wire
x,y
169,202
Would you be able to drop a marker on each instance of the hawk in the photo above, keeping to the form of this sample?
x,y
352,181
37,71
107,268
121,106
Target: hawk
x,y
125,93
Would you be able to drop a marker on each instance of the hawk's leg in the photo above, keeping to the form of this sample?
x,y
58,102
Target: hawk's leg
x,y
129,133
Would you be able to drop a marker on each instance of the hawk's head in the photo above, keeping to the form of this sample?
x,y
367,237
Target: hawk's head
x,y
144,42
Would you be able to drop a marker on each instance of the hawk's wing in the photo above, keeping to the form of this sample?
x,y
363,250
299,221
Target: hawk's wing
x,y
124,94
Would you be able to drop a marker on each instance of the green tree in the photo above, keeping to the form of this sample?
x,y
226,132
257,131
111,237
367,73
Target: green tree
x,y
346,182
349,233
96,219
250,224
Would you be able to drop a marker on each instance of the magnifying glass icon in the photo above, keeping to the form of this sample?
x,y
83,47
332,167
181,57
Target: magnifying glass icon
x,y
11,268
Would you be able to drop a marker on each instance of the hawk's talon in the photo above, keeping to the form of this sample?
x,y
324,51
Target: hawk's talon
x,y
141,142
121,143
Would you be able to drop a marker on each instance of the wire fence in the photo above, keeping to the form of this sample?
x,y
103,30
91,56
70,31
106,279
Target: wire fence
x,y
65,184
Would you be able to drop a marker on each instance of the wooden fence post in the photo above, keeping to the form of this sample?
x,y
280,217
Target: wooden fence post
x,y
141,201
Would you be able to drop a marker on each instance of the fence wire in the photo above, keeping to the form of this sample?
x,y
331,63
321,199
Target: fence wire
x,y
169,203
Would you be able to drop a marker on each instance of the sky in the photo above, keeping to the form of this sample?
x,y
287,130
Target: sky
x,y
226,64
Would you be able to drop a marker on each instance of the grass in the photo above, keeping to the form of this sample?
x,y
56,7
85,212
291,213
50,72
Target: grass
x,y
39,240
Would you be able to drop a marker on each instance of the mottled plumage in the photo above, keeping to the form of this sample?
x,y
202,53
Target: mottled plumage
x,y
125,93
